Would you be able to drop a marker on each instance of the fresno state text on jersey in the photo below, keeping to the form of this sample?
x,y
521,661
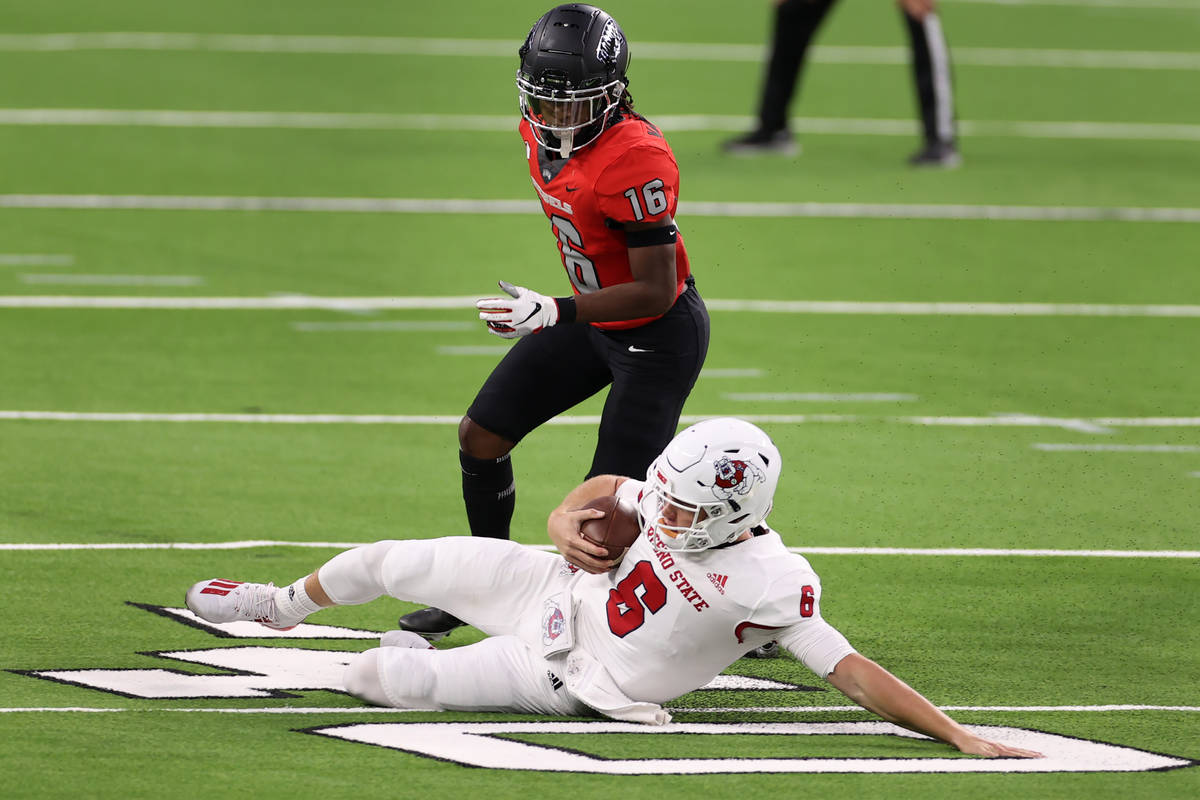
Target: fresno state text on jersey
x,y
627,175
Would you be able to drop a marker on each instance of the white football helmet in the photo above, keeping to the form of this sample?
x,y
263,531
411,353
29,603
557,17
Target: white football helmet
x,y
724,472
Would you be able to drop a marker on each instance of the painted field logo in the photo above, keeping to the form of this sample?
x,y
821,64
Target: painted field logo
x,y
480,745
255,671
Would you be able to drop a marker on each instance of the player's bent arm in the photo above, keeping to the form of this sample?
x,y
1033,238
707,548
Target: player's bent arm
x,y
879,691
563,524
649,294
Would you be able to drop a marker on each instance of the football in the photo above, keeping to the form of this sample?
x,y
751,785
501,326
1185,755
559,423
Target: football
x,y
617,529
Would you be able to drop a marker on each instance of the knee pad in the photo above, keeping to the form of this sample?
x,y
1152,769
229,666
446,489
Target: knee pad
x,y
362,679
411,681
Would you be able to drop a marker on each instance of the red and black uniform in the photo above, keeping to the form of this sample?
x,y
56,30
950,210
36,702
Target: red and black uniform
x,y
627,175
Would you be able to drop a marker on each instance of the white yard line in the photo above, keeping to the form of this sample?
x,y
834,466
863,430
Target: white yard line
x,y
954,309
857,709
1072,59
954,552
1021,421
939,211
382,325
353,304
473,350
411,205
507,123
336,709
820,397
679,709
1078,130
1149,422
152,118
243,545
275,303
1116,448
365,205
267,419
977,552
110,280
649,51
1133,5
36,260
995,421
731,373
1092,426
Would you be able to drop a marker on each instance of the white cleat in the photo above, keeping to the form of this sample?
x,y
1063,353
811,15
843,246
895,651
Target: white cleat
x,y
405,639
219,600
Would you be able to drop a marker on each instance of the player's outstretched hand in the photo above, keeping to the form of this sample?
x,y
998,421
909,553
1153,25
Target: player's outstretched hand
x,y
523,312
563,528
977,746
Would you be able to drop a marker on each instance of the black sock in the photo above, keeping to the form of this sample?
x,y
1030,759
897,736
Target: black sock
x,y
489,494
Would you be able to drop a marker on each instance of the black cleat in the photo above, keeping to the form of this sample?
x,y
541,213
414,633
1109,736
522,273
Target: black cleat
x,y
432,623
762,143
768,650
936,154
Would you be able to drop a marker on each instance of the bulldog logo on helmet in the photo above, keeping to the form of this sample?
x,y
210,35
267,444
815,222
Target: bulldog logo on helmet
x,y
735,477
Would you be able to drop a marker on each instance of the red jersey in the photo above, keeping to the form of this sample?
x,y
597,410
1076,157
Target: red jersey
x,y
627,175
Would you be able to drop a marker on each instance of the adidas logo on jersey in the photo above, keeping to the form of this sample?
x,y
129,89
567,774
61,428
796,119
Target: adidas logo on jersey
x,y
718,581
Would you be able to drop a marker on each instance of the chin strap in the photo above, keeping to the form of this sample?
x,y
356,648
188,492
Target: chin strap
x,y
565,141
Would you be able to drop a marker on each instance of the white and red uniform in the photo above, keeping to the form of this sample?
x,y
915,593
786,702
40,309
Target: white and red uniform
x,y
664,623
660,625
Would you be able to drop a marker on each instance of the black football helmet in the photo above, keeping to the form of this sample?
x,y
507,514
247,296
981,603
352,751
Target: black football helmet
x,y
572,75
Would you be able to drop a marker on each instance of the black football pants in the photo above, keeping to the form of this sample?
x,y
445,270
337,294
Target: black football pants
x,y
796,21
651,370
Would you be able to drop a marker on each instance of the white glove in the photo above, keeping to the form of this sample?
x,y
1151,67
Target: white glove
x,y
523,313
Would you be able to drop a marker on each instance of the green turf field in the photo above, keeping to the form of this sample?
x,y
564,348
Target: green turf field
x,y
162,162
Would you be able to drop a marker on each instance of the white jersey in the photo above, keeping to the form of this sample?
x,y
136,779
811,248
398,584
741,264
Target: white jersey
x,y
664,622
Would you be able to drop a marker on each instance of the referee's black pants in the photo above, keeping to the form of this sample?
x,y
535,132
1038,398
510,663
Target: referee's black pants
x,y
796,21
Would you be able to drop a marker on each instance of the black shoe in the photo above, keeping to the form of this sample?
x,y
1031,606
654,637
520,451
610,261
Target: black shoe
x,y
760,143
432,623
768,650
936,154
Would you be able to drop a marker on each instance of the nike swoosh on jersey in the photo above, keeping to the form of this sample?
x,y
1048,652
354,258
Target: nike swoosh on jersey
x,y
571,188
633,349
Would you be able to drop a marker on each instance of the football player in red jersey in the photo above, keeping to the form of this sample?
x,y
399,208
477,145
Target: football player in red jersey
x,y
634,322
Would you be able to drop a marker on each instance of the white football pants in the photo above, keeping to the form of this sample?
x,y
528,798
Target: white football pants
x,y
494,584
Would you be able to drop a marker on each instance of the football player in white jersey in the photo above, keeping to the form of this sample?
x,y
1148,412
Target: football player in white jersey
x,y
575,634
